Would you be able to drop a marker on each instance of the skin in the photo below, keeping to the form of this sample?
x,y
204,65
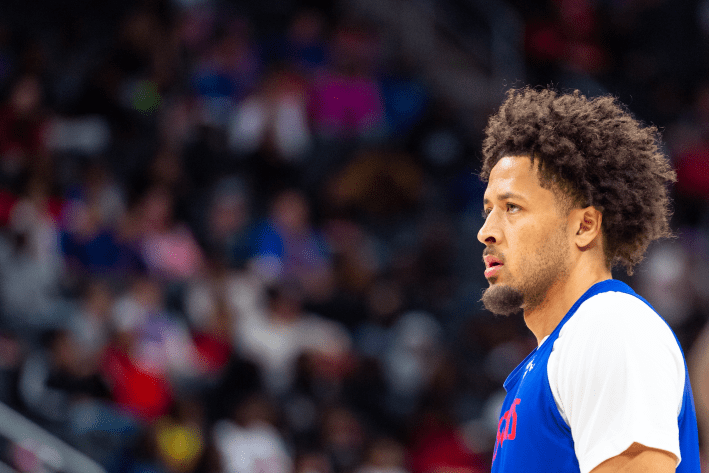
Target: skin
x,y
532,232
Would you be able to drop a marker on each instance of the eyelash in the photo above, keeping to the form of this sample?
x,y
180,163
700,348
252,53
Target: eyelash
x,y
510,206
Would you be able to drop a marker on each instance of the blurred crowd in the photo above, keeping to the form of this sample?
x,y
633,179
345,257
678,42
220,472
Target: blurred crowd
x,y
240,237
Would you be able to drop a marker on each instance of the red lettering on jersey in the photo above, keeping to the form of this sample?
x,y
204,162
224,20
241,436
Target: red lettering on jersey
x,y
509,432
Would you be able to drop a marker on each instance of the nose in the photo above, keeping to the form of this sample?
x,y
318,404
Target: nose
x,y
490,232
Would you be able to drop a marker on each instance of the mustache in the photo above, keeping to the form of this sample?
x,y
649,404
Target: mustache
x,y
490,251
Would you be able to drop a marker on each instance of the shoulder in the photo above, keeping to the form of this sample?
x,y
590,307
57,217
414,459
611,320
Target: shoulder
x,y
618,338
617,317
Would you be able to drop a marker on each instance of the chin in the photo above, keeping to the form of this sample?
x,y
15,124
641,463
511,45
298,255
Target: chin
x,y
502,299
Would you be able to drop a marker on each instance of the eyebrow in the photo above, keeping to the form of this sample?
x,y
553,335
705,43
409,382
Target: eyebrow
x,y
505,196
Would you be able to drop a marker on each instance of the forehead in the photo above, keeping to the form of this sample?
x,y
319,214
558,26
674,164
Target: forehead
x,y
516,175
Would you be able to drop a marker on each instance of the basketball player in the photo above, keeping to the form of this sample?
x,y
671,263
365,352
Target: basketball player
x,y
574,187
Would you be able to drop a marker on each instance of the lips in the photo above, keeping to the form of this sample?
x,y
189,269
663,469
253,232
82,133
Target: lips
x,y
493,265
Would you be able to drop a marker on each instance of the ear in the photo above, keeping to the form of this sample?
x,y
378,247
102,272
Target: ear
x,y
587,223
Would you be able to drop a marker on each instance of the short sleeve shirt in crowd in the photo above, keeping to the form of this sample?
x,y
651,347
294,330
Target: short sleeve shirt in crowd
x,y
611,373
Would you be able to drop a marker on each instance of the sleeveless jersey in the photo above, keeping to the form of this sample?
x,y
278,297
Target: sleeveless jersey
x,y
533,437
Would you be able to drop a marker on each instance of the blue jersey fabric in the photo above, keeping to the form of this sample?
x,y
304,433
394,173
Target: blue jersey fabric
x,y
533,437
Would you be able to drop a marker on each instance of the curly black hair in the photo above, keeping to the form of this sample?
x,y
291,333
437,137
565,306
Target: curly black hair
x,y
596,154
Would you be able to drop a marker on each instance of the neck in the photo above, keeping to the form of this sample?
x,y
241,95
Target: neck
x,y
561,296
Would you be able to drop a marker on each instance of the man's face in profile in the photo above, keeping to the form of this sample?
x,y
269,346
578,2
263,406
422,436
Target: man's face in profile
x,y
526,237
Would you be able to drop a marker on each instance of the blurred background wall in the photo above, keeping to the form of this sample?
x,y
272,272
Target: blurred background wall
x,y
240,236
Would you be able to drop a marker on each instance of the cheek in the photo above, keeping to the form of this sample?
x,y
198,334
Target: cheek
x,y
521,239
524,250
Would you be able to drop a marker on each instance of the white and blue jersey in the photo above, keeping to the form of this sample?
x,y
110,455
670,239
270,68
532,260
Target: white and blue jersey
x,y
611,373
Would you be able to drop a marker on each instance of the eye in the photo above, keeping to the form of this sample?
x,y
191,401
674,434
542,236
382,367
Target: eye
x,y
512,208
485,213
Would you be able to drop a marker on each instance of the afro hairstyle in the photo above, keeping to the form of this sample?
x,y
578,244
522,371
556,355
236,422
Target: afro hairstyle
x,y
593,153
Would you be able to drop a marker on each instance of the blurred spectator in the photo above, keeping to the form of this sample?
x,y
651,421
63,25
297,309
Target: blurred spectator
x,y
54,379
168,246
213,320
91,325
226,71
224,309
249,442
412,357
23,122
100,188
90,238
152,350
31,266
287,247
228,222
347,100
274,118
357,261
385,303
134,389
288,332
667,286
408,348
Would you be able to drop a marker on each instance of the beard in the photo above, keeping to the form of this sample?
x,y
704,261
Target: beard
x,y
542,269
503,300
